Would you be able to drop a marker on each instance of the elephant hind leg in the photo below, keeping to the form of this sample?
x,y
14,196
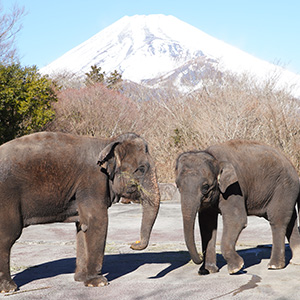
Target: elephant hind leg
x,y
279,227
277,260
9,233
81,259
283,221
293,237
6,283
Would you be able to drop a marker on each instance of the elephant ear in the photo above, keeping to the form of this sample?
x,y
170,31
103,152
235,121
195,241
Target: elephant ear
x,y
108,153
227,176
109,158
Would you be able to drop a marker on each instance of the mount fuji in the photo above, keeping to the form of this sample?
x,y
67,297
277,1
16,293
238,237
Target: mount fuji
x,y
145,48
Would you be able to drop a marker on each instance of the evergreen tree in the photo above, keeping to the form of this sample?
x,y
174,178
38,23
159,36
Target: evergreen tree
x,y
95,75
25,101
114,79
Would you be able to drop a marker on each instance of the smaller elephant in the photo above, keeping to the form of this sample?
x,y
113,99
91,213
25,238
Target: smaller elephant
x,y
51,177
238,178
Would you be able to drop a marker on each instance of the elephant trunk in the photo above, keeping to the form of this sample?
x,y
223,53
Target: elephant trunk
x,y
189,215
150,201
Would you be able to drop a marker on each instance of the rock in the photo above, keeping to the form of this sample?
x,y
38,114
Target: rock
x,y
168,192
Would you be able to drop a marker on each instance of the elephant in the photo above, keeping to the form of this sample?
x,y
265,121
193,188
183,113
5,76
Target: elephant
x,y
51,177
238,178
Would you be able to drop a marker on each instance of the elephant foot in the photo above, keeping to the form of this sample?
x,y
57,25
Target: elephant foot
x,y
208,269
236,266
138,245
7,286
276,266
96,282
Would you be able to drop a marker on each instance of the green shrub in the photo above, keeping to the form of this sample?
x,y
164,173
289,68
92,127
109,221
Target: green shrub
x,y
25,101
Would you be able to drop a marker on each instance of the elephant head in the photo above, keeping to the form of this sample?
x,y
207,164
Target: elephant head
x,y
131,172
200,178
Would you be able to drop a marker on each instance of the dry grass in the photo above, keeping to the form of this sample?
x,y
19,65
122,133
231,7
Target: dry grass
x,y
224,108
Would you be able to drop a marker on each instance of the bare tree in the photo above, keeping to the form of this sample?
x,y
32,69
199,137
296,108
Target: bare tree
x,y
226,107
9,27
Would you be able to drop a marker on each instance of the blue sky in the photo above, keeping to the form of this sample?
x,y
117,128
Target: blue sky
x,y
267,29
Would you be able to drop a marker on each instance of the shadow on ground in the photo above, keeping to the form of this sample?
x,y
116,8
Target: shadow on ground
x,y
254,256
114,266
118,265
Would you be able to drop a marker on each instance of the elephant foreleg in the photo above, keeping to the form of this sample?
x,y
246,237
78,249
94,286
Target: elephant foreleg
x,y
90,248
234,221
95,244
208,222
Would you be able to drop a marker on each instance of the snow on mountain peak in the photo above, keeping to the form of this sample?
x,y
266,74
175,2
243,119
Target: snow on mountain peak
x,y
139,47
144,47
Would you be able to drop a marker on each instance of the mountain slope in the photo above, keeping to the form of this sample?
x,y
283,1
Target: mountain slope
x,y
147,47
139,47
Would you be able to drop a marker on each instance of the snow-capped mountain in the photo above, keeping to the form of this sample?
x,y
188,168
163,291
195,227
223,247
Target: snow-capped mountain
x,y
143,48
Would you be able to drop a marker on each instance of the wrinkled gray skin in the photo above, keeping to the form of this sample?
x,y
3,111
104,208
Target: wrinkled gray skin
x,y
54,177
238,178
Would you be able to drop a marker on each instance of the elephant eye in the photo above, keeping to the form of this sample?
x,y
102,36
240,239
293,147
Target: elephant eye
x,y
205,189
141,170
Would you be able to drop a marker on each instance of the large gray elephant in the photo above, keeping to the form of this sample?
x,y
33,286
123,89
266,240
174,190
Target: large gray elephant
x,y
54,177
238,178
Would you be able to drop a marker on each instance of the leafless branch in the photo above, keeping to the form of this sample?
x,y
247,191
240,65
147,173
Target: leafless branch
x,y
9,27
